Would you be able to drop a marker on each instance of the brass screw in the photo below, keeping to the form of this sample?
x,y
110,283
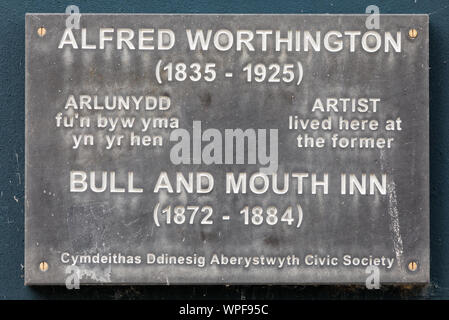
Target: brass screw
x,y
412,33
41,31
43,266
412,266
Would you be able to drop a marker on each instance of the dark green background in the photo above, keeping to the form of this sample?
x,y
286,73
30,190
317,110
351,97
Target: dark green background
x,y
12,130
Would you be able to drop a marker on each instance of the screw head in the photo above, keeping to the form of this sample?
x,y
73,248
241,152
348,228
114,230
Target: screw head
x,y
41,31
412,33
412,266
43,266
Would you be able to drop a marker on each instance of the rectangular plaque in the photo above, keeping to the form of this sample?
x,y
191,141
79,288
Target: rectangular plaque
x,y
226,149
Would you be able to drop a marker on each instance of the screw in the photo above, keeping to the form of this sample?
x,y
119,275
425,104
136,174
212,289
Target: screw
x,y
43,266
41,31
412,266
412,33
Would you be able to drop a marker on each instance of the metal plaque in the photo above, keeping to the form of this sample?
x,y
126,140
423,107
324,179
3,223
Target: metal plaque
x,y
227,149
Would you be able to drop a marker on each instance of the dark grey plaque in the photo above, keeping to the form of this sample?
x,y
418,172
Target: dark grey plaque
x,y
135,173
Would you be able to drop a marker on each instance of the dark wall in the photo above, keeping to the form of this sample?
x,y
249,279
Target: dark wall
x,y
12,128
